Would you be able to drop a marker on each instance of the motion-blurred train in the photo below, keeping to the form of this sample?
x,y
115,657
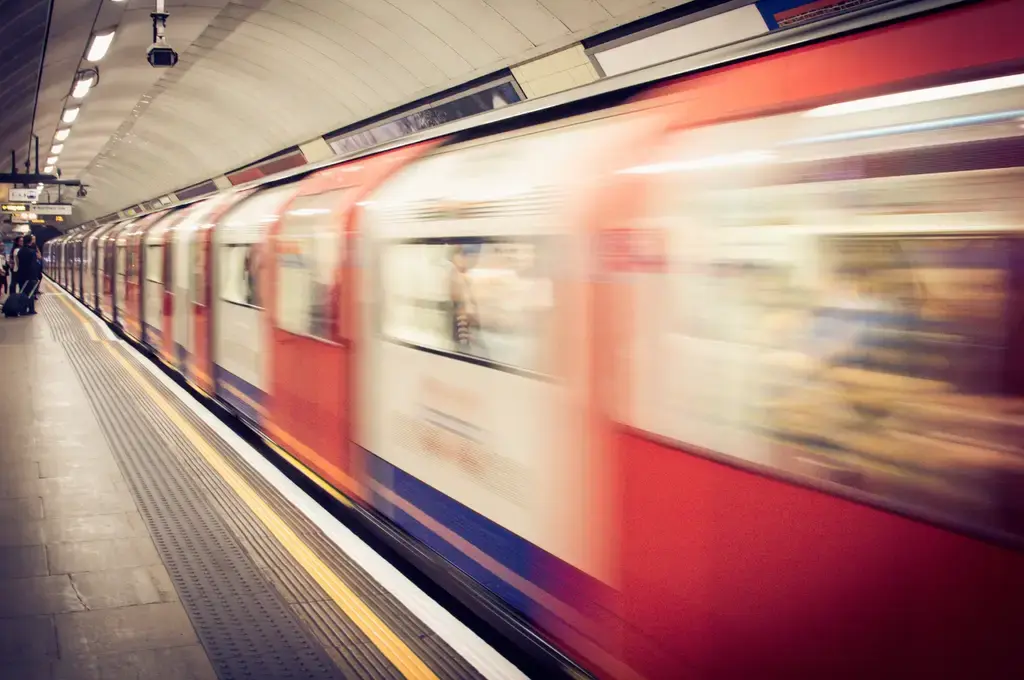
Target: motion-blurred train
x,y
724,378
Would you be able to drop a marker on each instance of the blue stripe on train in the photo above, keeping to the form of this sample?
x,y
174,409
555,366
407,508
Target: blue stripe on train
x,y
225,379
527,560
498,542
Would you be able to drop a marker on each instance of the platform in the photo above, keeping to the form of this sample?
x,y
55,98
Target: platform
x,y
138,541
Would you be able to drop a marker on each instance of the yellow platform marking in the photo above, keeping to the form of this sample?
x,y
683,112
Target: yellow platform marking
x,y
385,639
310,474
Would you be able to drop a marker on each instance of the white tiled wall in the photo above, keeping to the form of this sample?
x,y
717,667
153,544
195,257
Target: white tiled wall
x,y
555,72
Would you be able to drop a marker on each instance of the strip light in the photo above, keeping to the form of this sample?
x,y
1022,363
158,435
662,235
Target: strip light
x,y
930,94
52,160
62,134
56,149
48,169
70,115
99,47
82,87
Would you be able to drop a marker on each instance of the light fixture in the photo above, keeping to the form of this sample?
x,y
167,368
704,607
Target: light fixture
x,y
56,149
929,94
100,45
48,169
726,160
62,134
82,86
52,160
70,115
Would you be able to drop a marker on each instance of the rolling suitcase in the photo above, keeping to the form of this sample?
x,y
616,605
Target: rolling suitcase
x,y
17,303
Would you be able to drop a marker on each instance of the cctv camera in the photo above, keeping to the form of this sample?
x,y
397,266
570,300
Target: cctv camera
x,y
161,56
82,193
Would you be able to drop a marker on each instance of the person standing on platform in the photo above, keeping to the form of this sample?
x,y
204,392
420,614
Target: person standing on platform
x,y
39,266
28,267
5,272
15,278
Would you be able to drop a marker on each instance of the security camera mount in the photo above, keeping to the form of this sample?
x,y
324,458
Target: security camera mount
x,y
160,54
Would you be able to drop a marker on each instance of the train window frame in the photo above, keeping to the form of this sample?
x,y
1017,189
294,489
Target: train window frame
x,y
817,197
121,260
300,232
543,243
227,269
151,263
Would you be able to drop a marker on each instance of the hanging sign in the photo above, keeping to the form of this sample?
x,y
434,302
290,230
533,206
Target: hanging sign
x,y
52,209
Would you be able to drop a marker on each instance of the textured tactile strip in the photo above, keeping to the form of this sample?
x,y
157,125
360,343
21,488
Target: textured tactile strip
x,y
330,623
247,628
348,645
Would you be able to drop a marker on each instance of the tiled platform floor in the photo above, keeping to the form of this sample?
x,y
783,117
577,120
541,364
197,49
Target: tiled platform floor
x,y
83,593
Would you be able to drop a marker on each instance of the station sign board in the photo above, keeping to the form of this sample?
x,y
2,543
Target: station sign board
x,y
52,209
13,207
27,195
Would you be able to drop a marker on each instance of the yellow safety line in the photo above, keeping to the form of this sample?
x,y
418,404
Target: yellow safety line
x,y
312,476
396,651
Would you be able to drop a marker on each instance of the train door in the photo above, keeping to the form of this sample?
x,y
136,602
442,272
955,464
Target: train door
x,y
167,349
200,369
311,297
242,349
104,272
122,266
155,279
183,235
189,283
113,273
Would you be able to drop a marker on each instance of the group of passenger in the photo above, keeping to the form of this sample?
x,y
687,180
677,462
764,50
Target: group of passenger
x,y
22,270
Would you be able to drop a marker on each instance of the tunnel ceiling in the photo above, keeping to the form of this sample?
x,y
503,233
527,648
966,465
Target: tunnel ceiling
x,y
256,76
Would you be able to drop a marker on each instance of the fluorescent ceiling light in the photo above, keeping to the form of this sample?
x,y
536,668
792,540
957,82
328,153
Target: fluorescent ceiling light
x,y
930,94
727,160
70,115
48,169
62,134
52,160
82,87
99,47
56,148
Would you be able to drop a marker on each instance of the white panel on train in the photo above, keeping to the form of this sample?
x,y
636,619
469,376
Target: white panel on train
x,y
183,265
467,250
153,289
121,268
240,335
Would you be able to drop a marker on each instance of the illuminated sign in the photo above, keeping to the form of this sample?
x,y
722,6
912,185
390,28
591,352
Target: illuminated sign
x,y
59,218
13,207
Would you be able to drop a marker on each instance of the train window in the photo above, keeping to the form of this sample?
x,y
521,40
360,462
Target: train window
x,y
843,300
489,299
310,251
154,263
240,265
122,261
